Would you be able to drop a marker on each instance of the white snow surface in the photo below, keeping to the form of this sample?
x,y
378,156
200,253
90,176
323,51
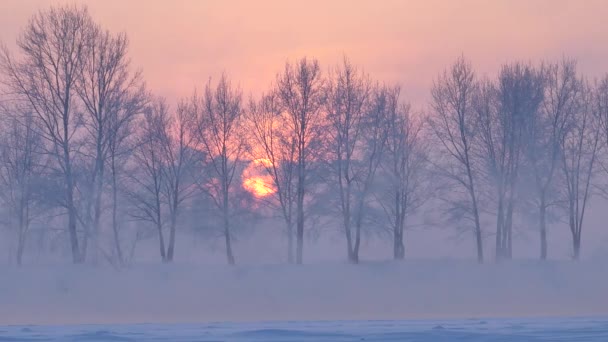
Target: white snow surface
x,y
189,293
536,329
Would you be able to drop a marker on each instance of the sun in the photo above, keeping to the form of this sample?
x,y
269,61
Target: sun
x,y
255,179
258,186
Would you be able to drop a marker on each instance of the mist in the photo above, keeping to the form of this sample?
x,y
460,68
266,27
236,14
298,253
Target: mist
x,y
265,168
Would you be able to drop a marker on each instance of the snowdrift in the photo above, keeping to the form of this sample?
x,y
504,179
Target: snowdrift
x,y
182,293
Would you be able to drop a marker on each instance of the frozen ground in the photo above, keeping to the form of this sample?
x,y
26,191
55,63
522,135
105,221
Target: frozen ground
x,y
548,329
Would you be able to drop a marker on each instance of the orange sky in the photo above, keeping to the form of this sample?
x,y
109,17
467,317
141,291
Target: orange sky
x,y
180,43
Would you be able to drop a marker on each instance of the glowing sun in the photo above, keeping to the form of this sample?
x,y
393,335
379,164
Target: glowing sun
x,y
255,179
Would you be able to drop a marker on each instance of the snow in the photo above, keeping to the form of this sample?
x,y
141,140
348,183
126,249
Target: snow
x,y
537,329
184,293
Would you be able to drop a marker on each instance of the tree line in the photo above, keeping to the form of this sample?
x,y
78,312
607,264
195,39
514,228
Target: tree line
x,y
86,149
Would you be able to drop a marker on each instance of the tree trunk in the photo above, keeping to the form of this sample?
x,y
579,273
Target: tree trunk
x,y
500,233
97,209
21,241
359,222
20,248
478,240
576,245
349,241
345,198
289,242
355,256
300,193
543,229
88,221
23,227
509,231
161,240
76,256
300,218
171,247
398,246
229,253
115,213
300,236
478,237
300,239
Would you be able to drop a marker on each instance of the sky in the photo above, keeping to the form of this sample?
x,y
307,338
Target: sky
x,y
180,44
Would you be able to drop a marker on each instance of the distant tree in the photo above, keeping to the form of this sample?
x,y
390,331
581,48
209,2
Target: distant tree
x,y
405,167
356,114
580,147
454,125
545,129
53,48
146,185
181,158
300,90
22,164
111,95
121,142
276,150
165,158
601,107
503,112
222,139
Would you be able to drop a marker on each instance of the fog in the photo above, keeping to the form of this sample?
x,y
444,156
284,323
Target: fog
x,y
189,293
208,161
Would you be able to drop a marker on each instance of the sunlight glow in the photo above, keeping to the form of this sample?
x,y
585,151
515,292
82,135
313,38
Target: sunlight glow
x,y
256,181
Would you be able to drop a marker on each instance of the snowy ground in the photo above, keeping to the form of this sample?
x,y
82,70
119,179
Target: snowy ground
x,y
548,329
376,301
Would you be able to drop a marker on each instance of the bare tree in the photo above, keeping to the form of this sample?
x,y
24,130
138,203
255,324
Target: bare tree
x,y
277,151
222,139
121,142
405,167
53,49
504,111
22,164
601,106
579,147
180,154
356,114
147,183
111,95
300,89
120,147
545,131
454,125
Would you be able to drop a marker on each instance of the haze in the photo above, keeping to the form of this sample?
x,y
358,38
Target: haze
x,y
194,191
180,44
